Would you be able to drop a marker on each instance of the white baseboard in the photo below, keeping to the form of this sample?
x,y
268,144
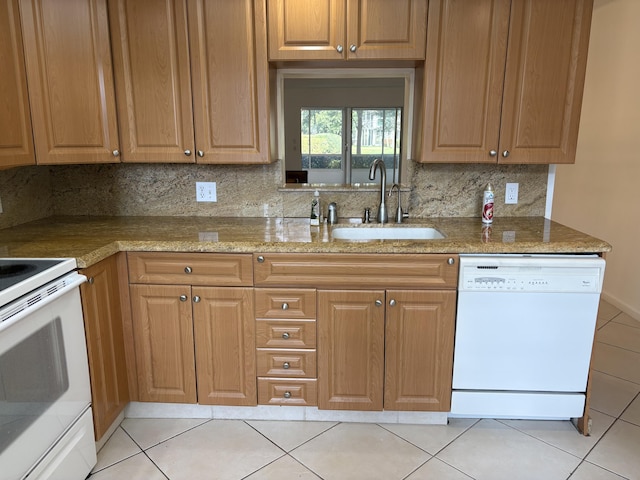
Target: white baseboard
x,y
625,307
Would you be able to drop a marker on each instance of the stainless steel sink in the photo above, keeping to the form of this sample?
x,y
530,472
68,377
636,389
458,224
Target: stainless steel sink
x,y
388,232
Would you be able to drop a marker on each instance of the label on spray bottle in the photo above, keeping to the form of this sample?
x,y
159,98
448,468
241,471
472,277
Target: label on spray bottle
x,y
487,204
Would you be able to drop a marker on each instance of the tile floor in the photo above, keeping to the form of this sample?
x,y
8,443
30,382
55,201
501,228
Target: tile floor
x,y
178,449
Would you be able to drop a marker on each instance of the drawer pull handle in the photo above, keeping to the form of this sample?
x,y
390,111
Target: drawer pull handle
x,y
183,298
90,280
285,306
286,335
286,365
451,261
392,302
378,303
196,299
187,270
287,394
260,259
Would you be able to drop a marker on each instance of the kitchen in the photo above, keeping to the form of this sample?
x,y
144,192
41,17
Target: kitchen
x,y
95,190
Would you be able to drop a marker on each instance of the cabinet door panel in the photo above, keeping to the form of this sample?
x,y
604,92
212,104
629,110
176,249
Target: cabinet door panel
x,y
151,65
466,51
419,350
350,349
16,139
230,80
163,335
105,344
224,328
69,73
309,30
544,80
385,30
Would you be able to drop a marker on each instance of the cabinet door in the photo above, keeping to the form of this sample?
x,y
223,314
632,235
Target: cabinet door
x,y
163,337
419,350
230,81
309,30
386,30
70,80
544,80
224,327
105,343
350,349
16,139
151,65
464,72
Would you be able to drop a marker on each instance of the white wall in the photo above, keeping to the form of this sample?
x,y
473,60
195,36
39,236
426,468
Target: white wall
x,y
600,194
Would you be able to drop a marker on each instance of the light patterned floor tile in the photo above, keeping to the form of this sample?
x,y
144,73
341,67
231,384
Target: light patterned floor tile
x,y
606,311
138,467
436,469
219,449
564,435
284,468
148,432
620,335
117,448
589,471
628,320
616,361
632,414
360,451
289,435
619,449
491,450
611,395
431,438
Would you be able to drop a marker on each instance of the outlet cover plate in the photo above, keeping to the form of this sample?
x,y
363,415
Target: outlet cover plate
x,y
511,193
206,192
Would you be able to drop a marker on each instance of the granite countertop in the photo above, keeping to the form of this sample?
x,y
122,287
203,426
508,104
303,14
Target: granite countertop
x,y
91,239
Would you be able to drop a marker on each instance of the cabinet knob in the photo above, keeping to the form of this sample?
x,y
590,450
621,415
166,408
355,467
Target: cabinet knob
x,y
116,153
285,306
187,152
286,365
196,299
183,298
505,154
286,335
451,261
339,49
287,394
392,302
493,153
90,280
260,259
200,153
353,48
378,303
187,270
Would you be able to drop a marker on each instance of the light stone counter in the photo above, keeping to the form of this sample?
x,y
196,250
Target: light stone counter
x,y
91,239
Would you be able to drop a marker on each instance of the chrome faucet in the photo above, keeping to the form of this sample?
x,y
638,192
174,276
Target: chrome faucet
x,y
400,215
381,216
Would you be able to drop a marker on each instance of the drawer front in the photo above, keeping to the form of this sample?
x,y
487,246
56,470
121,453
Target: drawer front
x,y
285,303
299,391
284,362
215,269
286,333
356,270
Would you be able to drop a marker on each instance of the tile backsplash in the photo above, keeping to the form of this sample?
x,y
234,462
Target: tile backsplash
x,y
29,193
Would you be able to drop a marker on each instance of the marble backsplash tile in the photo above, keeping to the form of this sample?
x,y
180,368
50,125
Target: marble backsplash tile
x,y
29,193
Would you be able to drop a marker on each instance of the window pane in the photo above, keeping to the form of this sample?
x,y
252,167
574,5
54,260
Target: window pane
x,y
321,138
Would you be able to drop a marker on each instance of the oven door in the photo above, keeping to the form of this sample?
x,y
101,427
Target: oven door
x,y
44,378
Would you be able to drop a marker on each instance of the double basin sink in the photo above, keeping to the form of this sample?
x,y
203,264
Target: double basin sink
x,y
386,232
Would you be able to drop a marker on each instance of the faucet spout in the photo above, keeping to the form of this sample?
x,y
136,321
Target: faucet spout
x,y
382,215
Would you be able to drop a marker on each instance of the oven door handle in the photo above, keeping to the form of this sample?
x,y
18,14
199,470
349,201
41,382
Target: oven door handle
x,y
39,298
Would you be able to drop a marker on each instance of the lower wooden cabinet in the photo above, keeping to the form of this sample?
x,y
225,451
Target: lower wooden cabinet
x,y
105,343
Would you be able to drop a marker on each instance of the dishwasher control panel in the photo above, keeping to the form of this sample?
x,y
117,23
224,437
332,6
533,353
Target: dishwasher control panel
x,y
530,273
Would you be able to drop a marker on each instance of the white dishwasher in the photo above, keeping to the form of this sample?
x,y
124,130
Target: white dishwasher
x,y
524,333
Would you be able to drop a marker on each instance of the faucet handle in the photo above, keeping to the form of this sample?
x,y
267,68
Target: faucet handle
x,y
367,215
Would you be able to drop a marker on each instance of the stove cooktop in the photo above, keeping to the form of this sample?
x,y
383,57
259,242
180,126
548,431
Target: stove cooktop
x,y
19,276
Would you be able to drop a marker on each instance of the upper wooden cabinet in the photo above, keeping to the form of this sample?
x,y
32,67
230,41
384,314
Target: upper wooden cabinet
x,y
192,80
69,74
504,80
16,140
347,29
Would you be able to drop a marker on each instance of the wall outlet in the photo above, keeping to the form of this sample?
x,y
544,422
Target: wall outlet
x,y
206,192
511,193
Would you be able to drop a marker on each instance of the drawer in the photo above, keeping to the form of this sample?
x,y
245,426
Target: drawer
x,y
216,269
348,270
298,391
285,303
286,333
285,362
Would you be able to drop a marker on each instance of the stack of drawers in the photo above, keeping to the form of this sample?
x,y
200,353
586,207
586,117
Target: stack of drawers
x,y
286,346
